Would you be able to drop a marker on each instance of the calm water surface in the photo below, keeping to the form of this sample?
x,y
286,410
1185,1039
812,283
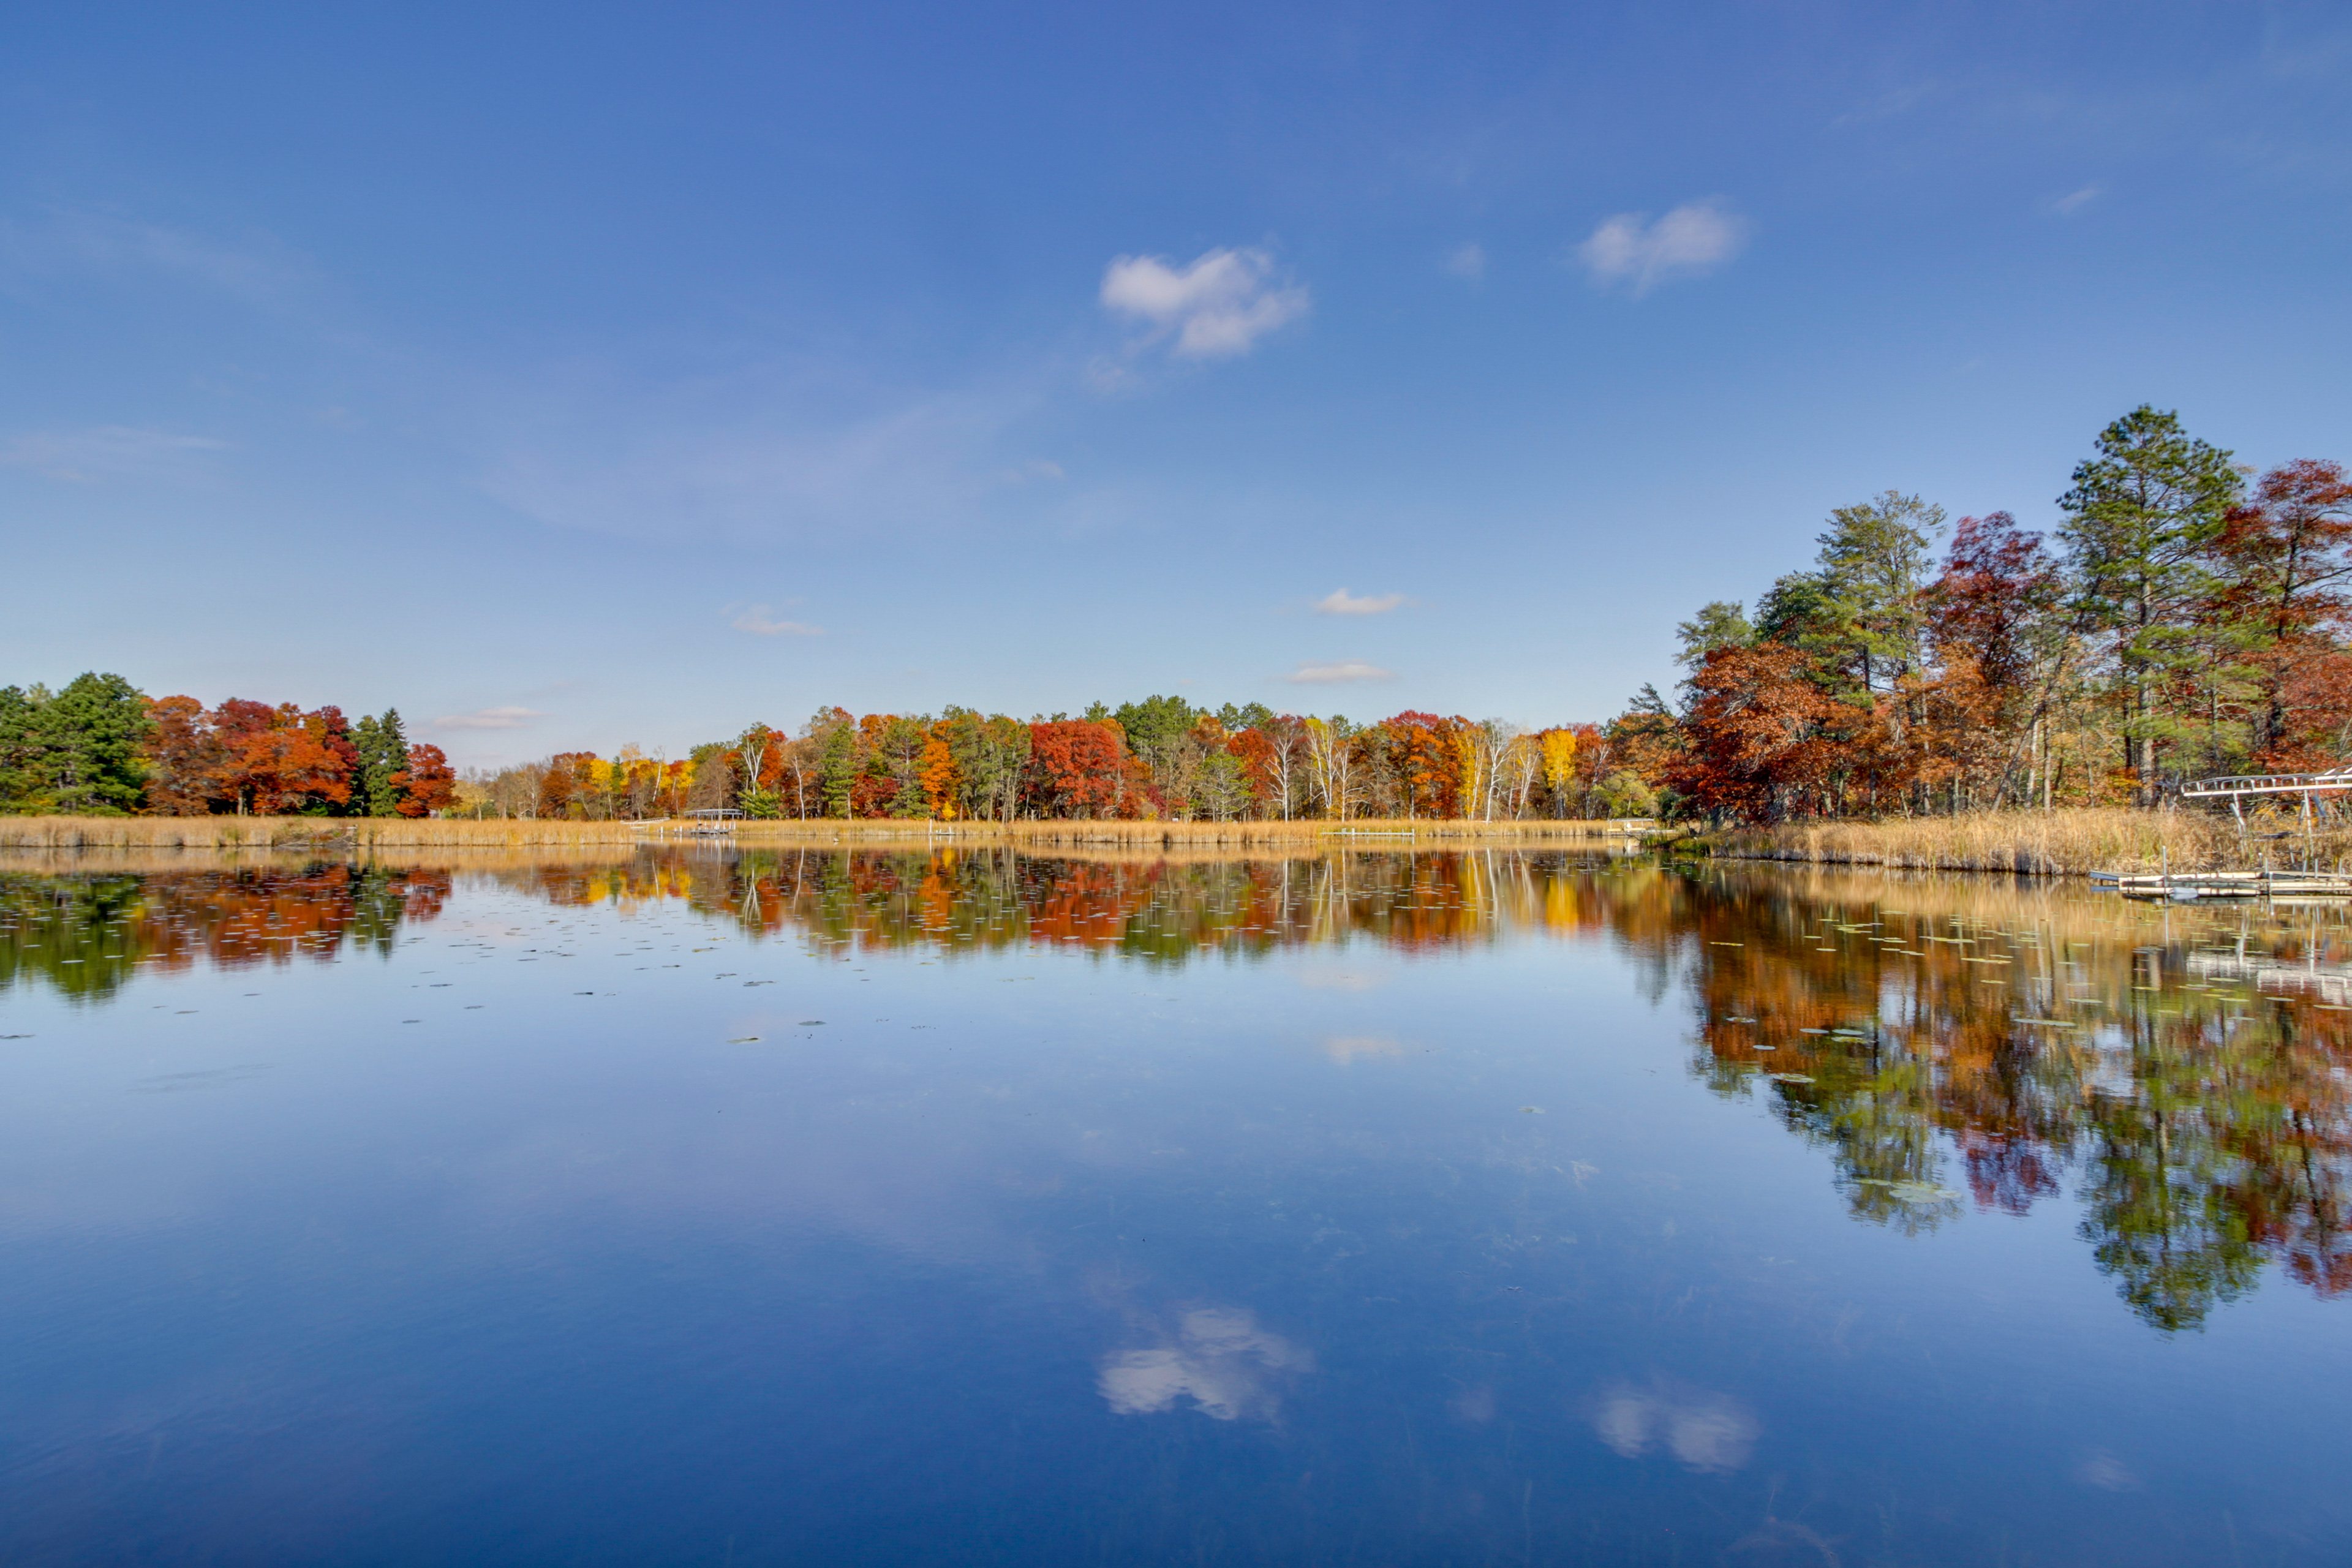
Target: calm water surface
x,y
1381,1209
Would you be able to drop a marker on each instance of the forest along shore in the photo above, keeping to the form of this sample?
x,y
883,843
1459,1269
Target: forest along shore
x,y
355,832
2044,843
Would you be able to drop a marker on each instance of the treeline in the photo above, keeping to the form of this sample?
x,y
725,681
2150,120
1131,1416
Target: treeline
x,y
1161,758
2186,619
99,747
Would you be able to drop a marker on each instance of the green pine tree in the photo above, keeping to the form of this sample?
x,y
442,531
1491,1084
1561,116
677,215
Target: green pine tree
x,y
2140,518
74,753
383,752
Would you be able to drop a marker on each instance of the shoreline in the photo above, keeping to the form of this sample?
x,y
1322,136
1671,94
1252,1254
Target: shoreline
x,y
323,834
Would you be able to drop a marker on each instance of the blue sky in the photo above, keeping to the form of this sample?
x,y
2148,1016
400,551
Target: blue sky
x,y
581,375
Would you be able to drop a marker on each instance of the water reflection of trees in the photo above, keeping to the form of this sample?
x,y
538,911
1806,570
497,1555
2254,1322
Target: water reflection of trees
x,y
1999,1037
2030,1035
1942,1040
1151,910
87,933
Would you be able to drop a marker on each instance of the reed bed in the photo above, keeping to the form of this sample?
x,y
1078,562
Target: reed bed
x,y
2067,843
313,834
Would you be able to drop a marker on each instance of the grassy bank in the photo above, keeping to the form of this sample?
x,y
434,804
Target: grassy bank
x,y
368,834
2051,844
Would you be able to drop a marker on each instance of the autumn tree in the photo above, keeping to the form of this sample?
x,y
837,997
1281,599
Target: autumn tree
x,y
187,762
1557,757
1075,767
1996,617
284,762
1757,735
938,773
562,786
426,783
2286,562
757,772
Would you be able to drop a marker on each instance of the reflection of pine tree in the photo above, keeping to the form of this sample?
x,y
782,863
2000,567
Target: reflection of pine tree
x,y
2158,1213
378,902
77,933
1885,1135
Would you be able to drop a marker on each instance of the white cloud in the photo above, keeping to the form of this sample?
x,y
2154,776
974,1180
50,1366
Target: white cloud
x,y
1221,1361
1340,602
759,621
1467,262
1705,1431
2067,203
108,451
1219,305
1690,239
489,719
1337,672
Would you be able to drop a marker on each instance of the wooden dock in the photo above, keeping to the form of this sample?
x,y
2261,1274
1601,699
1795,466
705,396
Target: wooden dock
x,y
2197,887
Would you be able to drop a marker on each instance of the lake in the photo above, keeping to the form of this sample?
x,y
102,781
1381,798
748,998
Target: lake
x,y
697,1206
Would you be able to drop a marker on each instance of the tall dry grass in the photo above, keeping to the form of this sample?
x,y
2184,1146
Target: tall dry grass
x,y
314,834
2072,842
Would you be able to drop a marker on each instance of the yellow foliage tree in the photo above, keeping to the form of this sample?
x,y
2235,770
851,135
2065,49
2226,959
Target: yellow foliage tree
x,y
1470,770
1558,764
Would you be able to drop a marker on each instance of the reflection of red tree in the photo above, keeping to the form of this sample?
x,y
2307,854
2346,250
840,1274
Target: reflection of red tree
x,y
2007,1174
237,920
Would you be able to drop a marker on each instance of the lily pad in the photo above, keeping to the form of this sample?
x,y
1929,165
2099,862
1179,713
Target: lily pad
x,y
1920,1191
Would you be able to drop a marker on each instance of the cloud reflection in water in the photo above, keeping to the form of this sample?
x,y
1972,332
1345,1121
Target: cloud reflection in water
x,y
1221,1360
1705,1431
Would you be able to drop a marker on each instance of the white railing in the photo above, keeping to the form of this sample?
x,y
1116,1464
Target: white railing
x,y
2269,784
